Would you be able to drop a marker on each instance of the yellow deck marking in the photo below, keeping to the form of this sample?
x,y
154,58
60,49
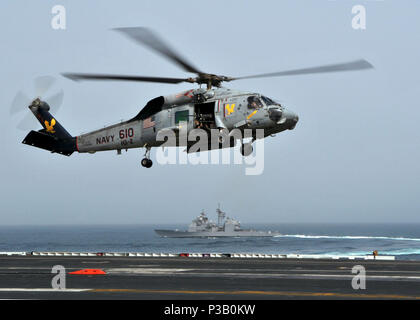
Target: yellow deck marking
x,y
268,293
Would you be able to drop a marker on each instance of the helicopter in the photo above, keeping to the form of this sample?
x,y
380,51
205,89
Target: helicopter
x,y
210,108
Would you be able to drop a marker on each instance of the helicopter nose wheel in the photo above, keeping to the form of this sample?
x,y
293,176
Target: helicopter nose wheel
x,y
146,162
246,149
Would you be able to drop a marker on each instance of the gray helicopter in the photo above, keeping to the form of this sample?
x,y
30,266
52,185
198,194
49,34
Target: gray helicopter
x,y
210,108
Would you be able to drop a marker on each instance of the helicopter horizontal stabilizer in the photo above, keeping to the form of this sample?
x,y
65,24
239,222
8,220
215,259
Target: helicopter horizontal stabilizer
x,y
43,140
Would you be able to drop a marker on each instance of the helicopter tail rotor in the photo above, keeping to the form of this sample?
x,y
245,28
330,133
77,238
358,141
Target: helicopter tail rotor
x,y
42,85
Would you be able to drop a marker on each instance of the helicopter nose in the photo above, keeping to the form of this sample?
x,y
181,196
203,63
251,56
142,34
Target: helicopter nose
x,y
291,118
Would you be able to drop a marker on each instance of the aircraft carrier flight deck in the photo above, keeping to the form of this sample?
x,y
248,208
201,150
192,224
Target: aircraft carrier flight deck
x,y
208,277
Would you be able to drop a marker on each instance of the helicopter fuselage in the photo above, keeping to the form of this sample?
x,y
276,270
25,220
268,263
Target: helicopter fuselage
x,y
217,108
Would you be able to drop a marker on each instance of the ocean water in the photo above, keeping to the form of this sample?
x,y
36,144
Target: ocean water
x,y
399,240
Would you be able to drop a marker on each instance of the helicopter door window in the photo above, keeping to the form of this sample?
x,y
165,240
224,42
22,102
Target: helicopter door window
x,y
181,116
254,103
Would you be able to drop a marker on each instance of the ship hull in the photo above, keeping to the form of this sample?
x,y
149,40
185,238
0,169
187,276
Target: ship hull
x,y
220,234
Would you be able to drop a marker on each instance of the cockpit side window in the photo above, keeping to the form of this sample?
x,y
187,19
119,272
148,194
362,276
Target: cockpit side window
x,y
254,102
269,101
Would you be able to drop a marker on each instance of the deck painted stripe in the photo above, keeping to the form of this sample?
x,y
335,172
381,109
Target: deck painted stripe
x,y
200,292
41,290
267,293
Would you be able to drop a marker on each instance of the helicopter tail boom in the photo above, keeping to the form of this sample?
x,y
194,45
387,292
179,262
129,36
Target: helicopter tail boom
x,y
53,137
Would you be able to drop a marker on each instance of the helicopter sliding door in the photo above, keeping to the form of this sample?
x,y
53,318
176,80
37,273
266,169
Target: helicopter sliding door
x,y
204,116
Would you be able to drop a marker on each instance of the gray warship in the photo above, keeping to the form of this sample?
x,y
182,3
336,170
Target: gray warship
x,y
202,227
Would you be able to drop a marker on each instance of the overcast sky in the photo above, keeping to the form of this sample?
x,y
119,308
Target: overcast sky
x,y
353,157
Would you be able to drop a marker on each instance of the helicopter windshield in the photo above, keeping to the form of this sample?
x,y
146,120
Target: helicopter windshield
x,y
254,102
269,101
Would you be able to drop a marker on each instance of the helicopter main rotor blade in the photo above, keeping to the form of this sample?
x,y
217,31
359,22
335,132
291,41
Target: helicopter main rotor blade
x,y
348,66
89,76
148,38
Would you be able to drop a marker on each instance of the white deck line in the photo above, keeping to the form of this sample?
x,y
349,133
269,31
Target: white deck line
x,y
198,255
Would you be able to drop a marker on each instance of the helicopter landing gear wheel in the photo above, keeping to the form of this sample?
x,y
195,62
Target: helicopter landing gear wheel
x,y
146,162
246,149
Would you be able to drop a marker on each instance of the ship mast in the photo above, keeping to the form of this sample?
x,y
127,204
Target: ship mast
x,y
220,216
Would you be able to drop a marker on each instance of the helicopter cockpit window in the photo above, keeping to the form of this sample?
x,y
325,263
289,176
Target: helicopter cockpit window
x,y
269,102
254,102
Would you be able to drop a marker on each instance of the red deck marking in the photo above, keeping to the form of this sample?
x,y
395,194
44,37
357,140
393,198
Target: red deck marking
x,y
88,271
